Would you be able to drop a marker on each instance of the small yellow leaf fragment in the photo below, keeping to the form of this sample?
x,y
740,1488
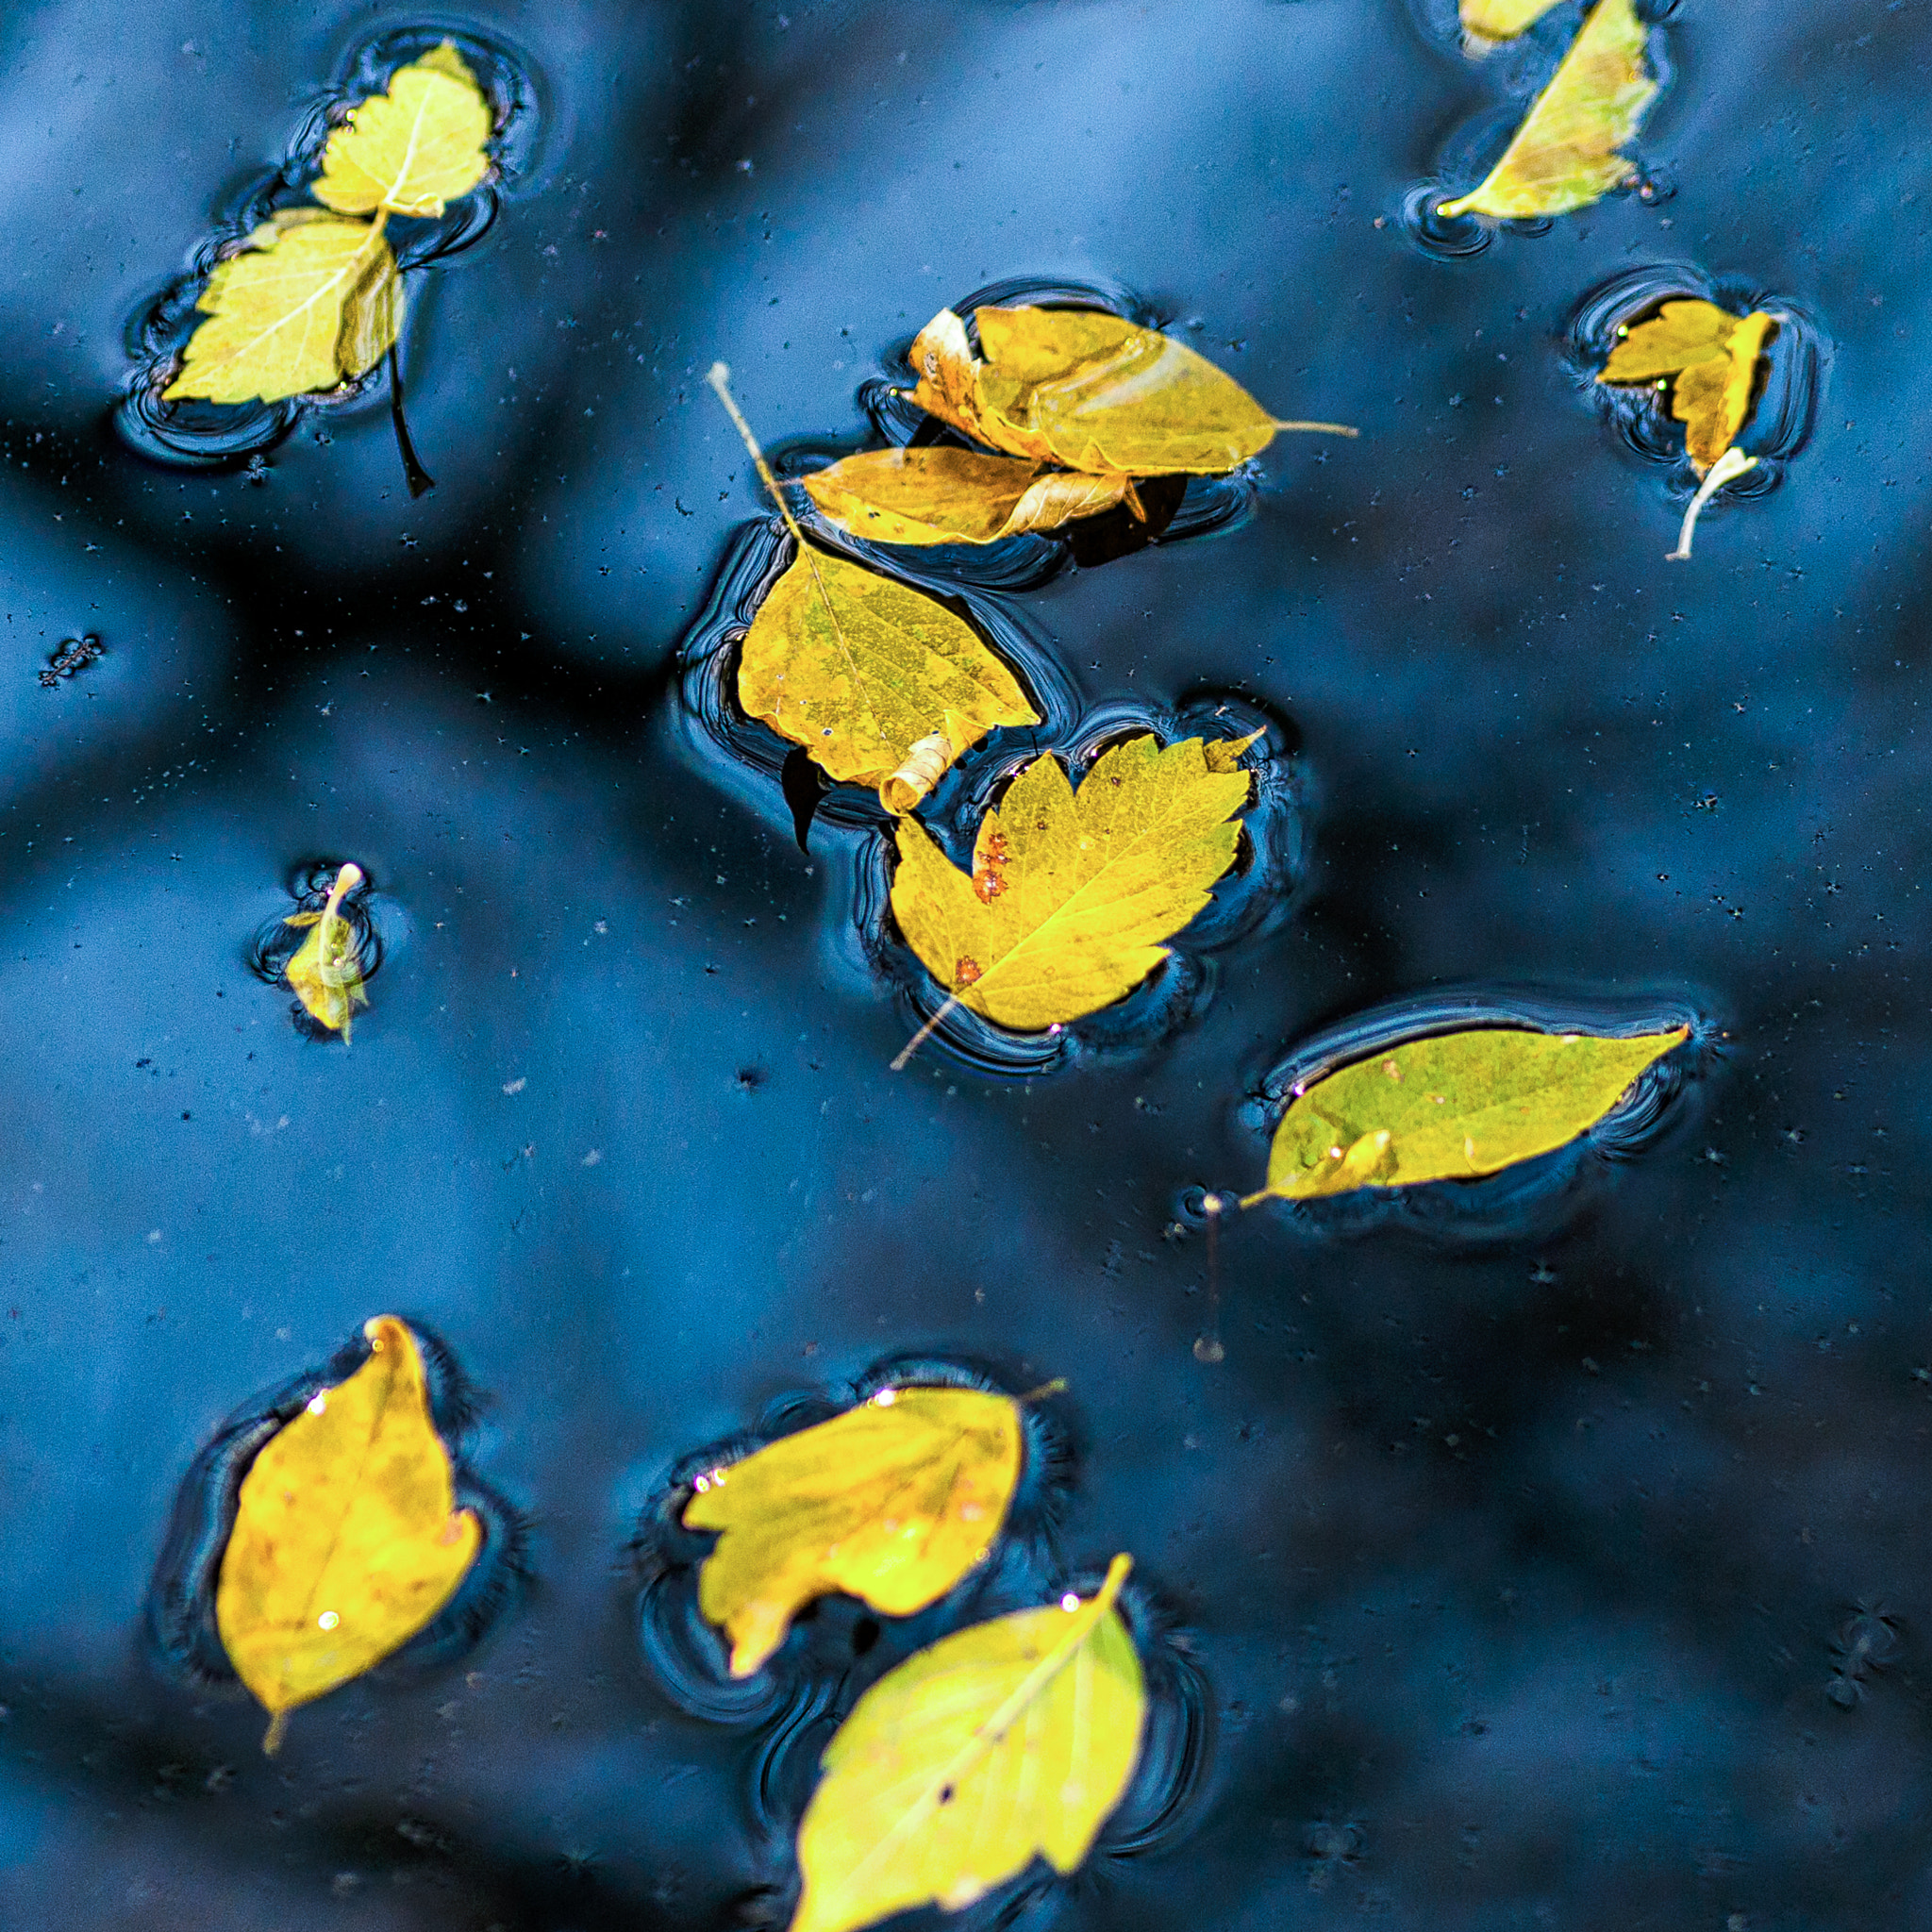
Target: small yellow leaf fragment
x,y
312,302
1714,357
1090,392
414,149
1007,1741
945,496
1452,1107
1486,22
1568,151
892,1502
347,1540
1224,754
1070,893
325,971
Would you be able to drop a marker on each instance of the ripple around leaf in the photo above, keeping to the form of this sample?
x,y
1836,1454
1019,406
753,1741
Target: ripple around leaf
x,y
183,1639
1786,407
689,1659
1254,897
275,942
197,435
1528,1200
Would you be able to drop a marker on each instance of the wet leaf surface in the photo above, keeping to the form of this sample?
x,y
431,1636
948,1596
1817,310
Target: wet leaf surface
x,y
1714,358
414,149
946,495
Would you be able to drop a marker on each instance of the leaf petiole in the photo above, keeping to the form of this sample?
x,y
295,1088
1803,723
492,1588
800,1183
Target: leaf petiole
x,y
1730,466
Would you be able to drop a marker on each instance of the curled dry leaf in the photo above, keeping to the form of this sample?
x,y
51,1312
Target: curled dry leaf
x,y
1070,893
1486,22
1714,357
1453,1107
310,302
325,971
1011,1739
414,149
892,1502
348,1539
944,496
1090,392
1568,151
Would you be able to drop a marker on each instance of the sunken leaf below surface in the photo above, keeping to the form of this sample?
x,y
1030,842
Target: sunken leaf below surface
x,y
1088,391
863,671
348,1539
1568,151
1070,893
1454,1106
1007,1741
945,496
414,148
312,302
893,1502
1714,357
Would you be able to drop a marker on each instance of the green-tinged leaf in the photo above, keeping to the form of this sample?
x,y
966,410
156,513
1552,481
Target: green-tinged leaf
x,y
880,683
1486,22
348,1539
325,971
1714,357
1090,392
1454,1106
1568,151
946,495
312,302
414,149
1010,1739
893,1502
1071,894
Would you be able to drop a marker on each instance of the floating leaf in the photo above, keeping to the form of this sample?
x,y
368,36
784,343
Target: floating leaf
x,y
1070,893
1714,356
1090,392
327,968
1009,1739
893,1502
310,302
348,1539
1486,22
1453,1107
947,495
1566,153
881,684
412,149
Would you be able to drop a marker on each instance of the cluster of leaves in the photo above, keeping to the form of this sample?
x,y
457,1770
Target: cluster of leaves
x,y
1070,893
1569,151
1011,1738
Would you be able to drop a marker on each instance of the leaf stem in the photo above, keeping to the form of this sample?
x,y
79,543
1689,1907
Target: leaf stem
x,y
720,380
924,1033
1321,429
1208,1347
277,1730
419,479
1732,463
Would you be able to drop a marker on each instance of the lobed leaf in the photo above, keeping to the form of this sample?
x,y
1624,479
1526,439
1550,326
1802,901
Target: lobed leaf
x,y
348,1539
946,495
414,149
1714,356
313,301
892,1502
863,671
1452,1107
1567,152
1009,1740
1070,893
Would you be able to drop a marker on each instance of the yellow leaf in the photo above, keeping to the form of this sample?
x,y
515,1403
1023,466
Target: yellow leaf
x,y
1090,392
1714,356
1011,1738
1224,754
892,1502
1453,1107
348,1539
1069,895
1486,22
954,495
412,149
327,968
1566,153
862,670
312,302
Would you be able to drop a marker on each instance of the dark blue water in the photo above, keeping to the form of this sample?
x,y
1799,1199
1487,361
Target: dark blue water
x,y
1565,1570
